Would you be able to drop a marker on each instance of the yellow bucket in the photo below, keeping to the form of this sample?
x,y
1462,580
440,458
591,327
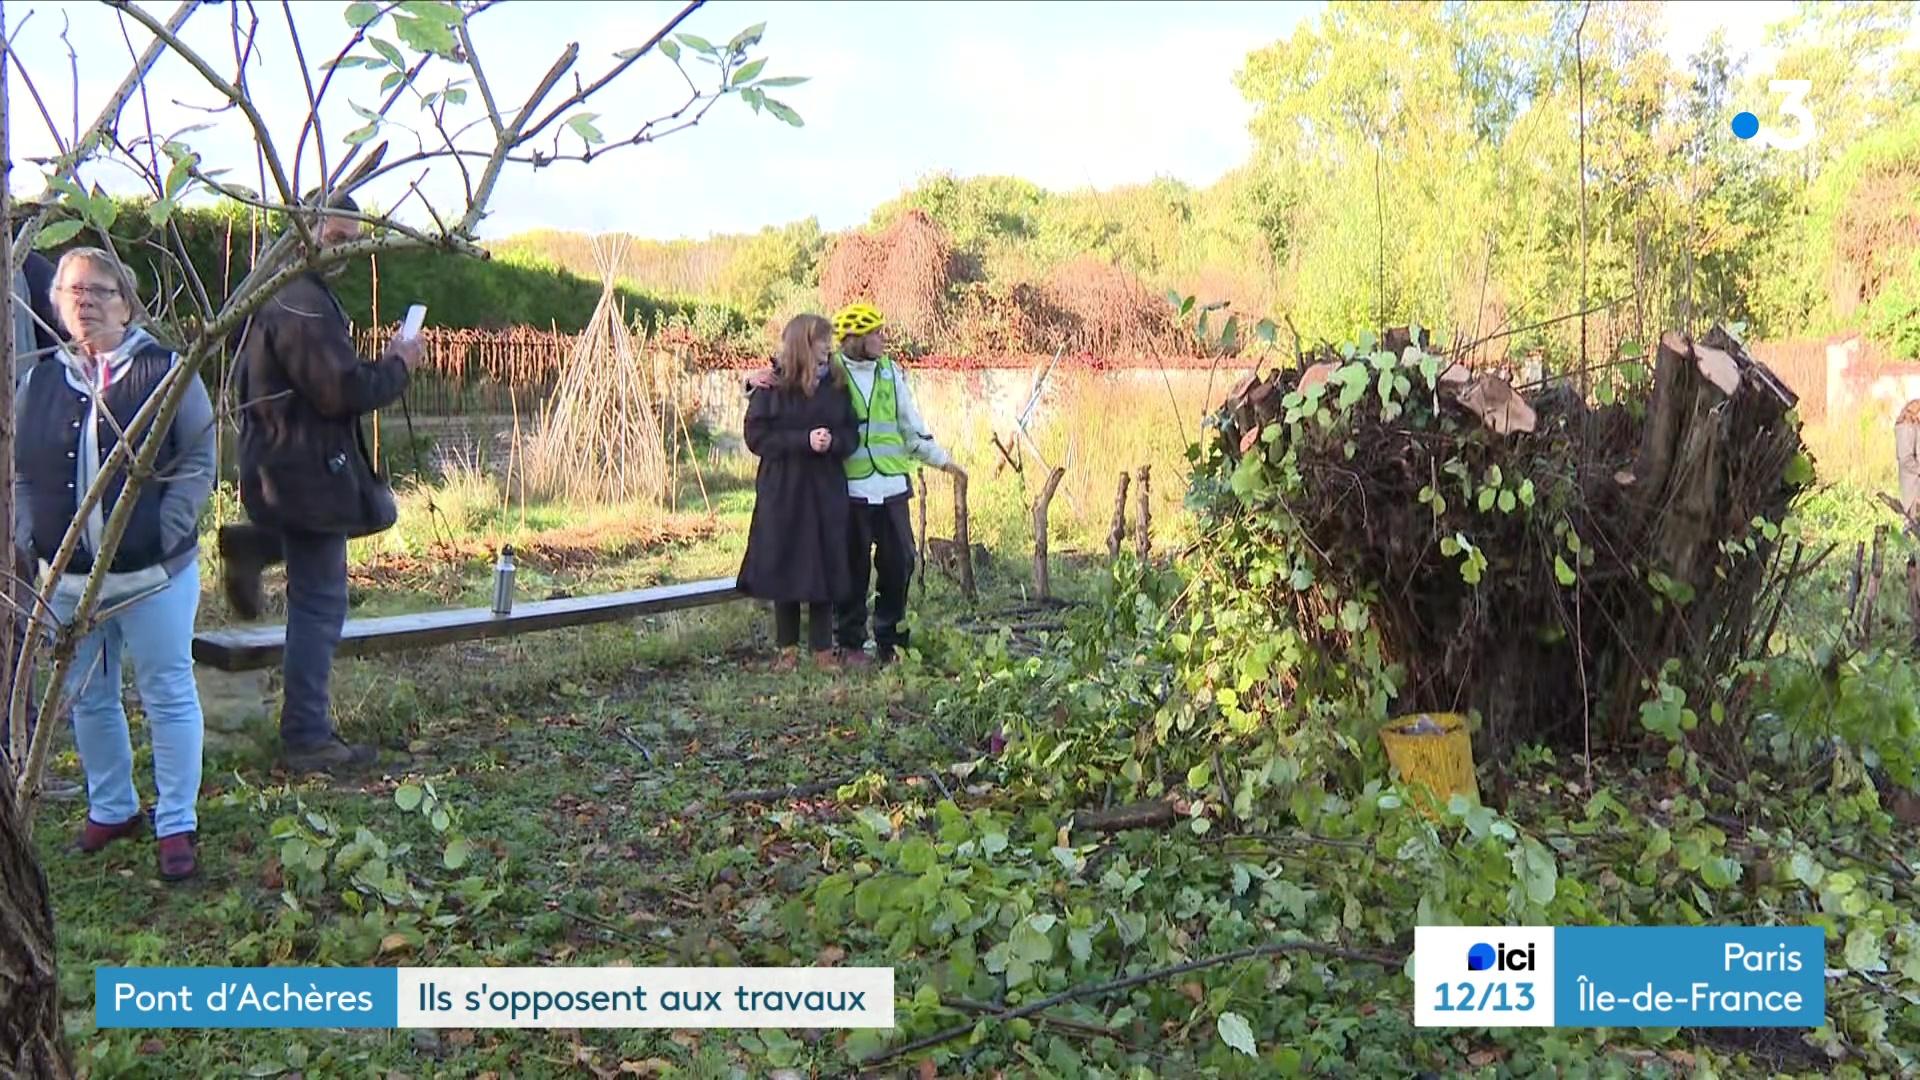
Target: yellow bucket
x,y
1440,760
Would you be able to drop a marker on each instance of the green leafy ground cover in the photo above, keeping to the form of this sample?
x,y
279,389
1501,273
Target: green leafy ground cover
x,y
560,800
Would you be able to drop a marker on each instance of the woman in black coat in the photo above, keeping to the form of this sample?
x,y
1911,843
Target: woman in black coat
x,y
803,430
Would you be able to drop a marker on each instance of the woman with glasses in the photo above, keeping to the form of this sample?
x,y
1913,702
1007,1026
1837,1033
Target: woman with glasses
x,y
69,415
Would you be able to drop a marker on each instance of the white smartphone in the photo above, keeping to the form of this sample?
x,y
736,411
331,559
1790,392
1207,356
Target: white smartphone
x,y
416,316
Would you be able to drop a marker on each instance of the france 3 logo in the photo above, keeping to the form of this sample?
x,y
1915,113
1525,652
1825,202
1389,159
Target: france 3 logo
x,y
1747,126
1483,976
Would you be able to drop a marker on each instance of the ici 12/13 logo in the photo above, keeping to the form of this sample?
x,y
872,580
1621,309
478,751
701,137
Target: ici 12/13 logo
x,y
1499,957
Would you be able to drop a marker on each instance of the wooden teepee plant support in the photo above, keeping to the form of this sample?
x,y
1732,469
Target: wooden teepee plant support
x,y
602,438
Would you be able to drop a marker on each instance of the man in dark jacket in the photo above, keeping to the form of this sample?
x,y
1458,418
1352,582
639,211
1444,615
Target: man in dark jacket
x,y
308,486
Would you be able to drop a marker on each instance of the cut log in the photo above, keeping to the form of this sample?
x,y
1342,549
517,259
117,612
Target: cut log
x,y
1118,534
1141,815
1686,533
1042,583
1663,414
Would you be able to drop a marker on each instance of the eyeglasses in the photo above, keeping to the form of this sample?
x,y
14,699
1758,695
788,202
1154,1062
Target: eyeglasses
x,y
91,292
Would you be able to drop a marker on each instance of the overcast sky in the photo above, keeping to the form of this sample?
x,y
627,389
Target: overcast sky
x,y
1064,94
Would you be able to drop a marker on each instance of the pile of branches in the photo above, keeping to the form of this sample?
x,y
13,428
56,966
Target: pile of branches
x,y
1549,558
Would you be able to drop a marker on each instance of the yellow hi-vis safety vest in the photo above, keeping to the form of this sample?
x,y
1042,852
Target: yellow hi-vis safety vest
x,y
882,448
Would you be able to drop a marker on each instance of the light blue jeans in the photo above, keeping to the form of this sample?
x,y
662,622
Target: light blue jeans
x,y
157,635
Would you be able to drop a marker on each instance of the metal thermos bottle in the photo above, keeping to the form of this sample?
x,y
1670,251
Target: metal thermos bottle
x,y
503,582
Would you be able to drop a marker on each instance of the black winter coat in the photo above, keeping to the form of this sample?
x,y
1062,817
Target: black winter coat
x,y
303,459
797,546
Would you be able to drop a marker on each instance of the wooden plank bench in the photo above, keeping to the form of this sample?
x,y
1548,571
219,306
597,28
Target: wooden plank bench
x,y
248,648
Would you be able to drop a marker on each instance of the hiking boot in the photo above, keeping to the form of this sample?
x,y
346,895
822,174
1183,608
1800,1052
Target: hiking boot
x,y
245,552
96,836
176,857
788,660
335,758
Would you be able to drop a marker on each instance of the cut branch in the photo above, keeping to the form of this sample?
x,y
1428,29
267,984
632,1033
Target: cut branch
x,y
1275,948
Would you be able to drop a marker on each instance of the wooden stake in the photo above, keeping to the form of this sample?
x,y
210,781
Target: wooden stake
x,y
1143,528
1864,630
374,261
1913,599
1118,534
1854,580
960,540
1041,584
920,539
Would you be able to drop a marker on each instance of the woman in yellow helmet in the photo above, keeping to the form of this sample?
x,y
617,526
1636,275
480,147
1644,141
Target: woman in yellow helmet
x,y
894,442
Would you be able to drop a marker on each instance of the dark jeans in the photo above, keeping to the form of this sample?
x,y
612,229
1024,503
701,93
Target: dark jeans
x,y
882,540
316,612
786,626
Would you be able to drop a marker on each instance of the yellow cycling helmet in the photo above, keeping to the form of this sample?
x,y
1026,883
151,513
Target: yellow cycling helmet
x,y
856,319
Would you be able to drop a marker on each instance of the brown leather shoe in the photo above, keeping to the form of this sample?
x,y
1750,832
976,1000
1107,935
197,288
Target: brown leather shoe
x,y
826,660
787,660
96,836
855,658
177,862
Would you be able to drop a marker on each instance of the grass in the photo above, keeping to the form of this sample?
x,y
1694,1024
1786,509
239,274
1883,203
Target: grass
x,y
535,741
588,767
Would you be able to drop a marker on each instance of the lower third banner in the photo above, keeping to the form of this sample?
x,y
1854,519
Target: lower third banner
x,y
613,997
